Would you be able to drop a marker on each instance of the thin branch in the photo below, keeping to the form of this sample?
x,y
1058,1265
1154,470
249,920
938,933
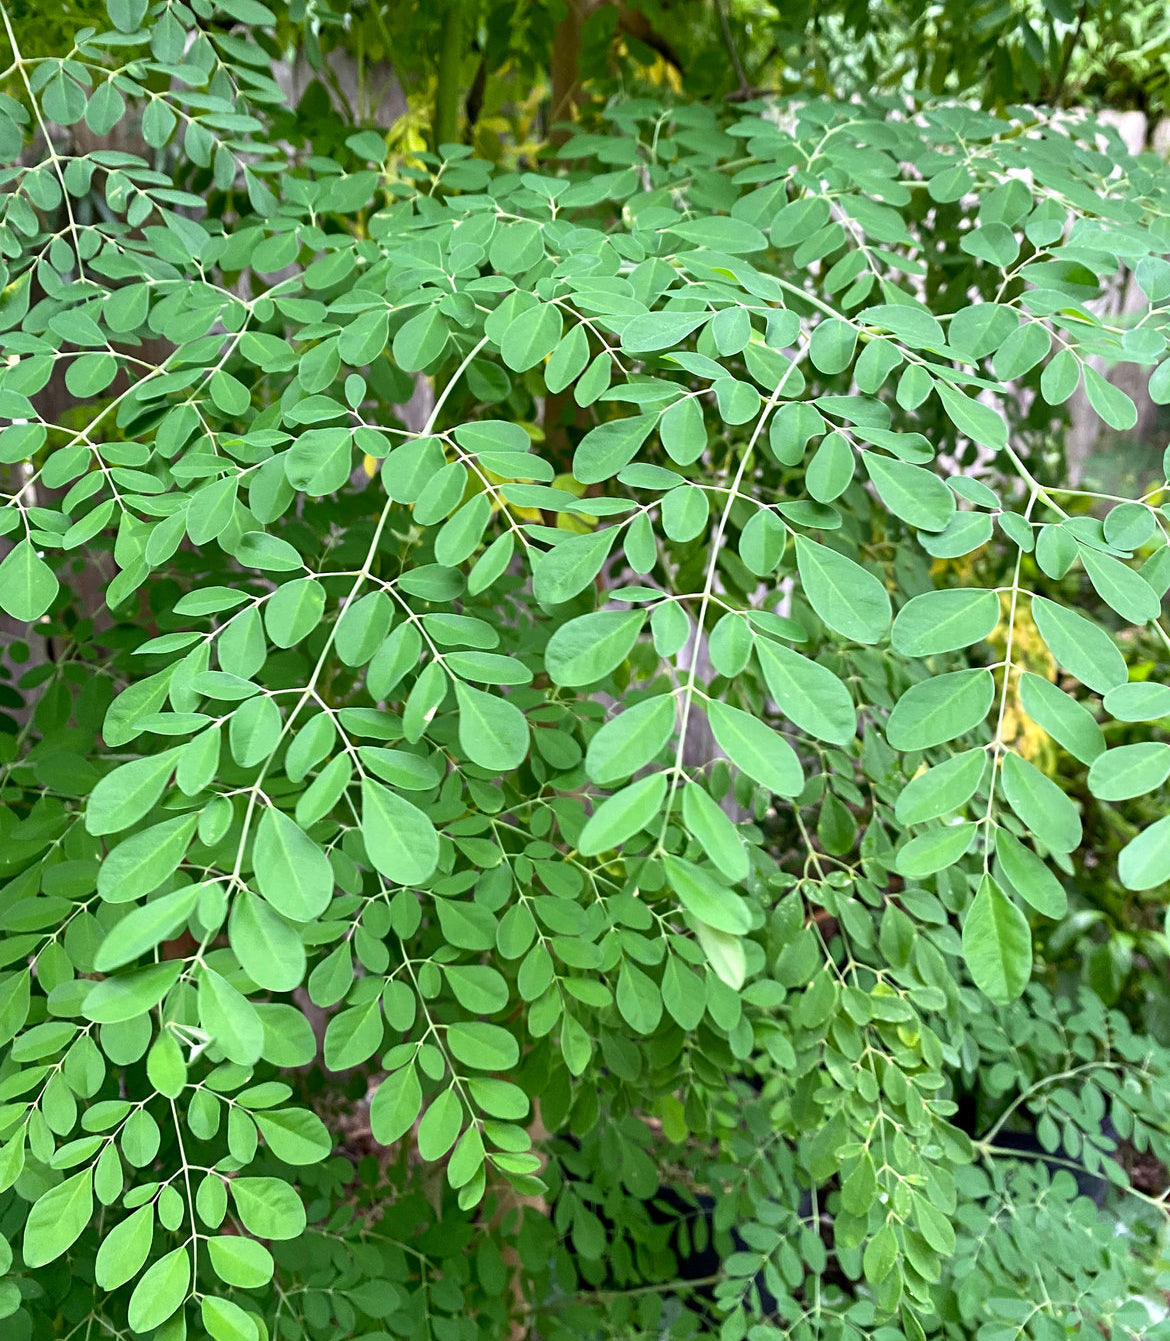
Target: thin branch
x,y
1066,61
742,85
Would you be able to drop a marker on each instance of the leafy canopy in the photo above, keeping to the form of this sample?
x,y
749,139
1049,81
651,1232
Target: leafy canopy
x,y
541,650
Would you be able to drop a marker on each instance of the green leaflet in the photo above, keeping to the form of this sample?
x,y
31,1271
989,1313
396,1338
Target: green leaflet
x,y
1144,862
638,999
725,954
1023,349
850,600
364,338
941,790
165,1066
604,450
268,1207
934,851
440,1126
14,1003
399,768
114,1000
138,865
362,628
488,1047
721,234
295,1135
145,928
1129,525
478,988
1159,387
226,1320
57,1219
531,337
292,872
942,709
799,219
401,841
585,650
916,495
716,834
124,1249
965,532
911,323
269,948
830,472
466,1163
1129,770
682,430
1083,648
762,543
161,1291
571,566
323,793
972,418
660,330
1040,804
685,513
791,428
620,816
983,328
230,1018
396,1105
27,583
832,345
492,731
731,330
463,531
630,740
701,893
1063,717
756,749
254,731
129,792
807,693
397,655
409,468
941,621
1138,702
1120,587
997,944
568,360
670,629
239,1261
421,341
354,1035
1029,876
1110,402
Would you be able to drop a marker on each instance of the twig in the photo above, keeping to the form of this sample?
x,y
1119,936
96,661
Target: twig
x,y
1066,61
742,85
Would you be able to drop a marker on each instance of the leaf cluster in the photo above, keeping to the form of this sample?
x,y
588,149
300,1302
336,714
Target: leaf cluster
x,y
545,732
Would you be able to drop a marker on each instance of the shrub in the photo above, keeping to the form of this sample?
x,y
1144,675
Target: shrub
x,y
595,662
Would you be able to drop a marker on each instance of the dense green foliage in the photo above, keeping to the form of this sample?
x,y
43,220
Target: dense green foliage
x,y
601,683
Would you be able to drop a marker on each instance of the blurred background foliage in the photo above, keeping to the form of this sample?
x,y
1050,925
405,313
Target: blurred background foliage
x,y
491,72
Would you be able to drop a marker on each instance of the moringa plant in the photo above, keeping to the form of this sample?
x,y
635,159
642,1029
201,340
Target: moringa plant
x,y
525,690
